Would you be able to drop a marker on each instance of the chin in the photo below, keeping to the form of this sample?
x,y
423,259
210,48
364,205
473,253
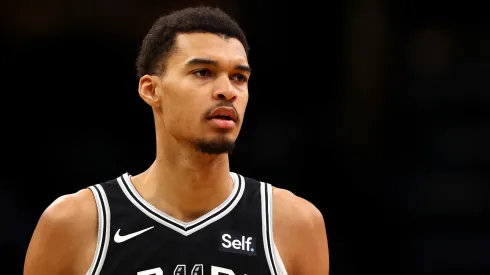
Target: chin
x,y
216,146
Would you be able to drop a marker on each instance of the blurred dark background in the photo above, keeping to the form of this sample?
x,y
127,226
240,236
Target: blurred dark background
x,y
375,111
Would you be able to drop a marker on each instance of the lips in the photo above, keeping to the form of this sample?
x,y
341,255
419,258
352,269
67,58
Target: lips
x,y
224,113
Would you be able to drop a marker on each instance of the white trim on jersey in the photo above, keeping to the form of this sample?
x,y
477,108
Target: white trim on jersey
x,y
184,228
107,229
276,265
100,229
103,229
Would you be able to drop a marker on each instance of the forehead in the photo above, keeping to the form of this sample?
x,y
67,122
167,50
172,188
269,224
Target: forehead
x,y
210,46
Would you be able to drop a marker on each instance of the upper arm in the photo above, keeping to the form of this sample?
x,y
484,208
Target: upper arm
x,y
313,256
59,234
300,226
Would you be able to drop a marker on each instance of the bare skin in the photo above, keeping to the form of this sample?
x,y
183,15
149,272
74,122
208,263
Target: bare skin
x,y
182,181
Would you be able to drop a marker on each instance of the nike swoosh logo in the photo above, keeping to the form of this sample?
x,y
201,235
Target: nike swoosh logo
x,y
119,239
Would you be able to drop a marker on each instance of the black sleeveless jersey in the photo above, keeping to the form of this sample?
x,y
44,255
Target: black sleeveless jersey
x,y
135,238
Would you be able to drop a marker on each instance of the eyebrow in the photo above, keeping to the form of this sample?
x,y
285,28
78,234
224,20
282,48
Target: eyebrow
x,y
203,61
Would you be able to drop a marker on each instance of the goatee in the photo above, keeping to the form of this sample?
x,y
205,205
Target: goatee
x,y
215,147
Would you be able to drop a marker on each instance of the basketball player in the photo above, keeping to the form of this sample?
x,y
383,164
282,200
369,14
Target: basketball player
x,y
187,214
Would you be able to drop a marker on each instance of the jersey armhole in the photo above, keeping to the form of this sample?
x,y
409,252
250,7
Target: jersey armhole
x,y
103,229
274,260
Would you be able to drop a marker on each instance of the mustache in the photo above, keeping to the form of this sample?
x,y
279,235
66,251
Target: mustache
x,y
222,104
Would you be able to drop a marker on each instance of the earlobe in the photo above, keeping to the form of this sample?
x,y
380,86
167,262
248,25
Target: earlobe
x,y
148,90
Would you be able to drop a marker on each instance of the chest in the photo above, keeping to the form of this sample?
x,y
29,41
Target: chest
x,y
224,245
235,238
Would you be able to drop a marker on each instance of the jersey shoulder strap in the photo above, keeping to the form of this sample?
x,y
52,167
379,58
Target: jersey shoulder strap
x,y
103,225
276,265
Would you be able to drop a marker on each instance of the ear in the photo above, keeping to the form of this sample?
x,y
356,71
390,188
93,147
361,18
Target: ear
x,y
147,89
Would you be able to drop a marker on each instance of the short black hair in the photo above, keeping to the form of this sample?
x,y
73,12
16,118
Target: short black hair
x,y
160,39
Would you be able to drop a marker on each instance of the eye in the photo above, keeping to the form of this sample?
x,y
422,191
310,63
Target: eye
x,y
239,78
202,73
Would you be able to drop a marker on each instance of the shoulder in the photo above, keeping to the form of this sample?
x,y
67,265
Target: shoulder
x,y
295,211
70,212
70,206
300,233
62,233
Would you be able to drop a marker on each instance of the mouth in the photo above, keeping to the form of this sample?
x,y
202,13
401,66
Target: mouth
x,y
222,117
223,113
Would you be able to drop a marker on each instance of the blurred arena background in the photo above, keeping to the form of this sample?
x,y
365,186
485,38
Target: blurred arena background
x,y
375,111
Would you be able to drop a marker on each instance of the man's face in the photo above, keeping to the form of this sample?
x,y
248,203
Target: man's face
x,y
204,91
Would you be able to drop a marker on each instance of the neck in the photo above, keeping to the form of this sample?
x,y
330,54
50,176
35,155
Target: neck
x,y
183,182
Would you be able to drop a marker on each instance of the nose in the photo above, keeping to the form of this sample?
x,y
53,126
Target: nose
x,y
224,89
